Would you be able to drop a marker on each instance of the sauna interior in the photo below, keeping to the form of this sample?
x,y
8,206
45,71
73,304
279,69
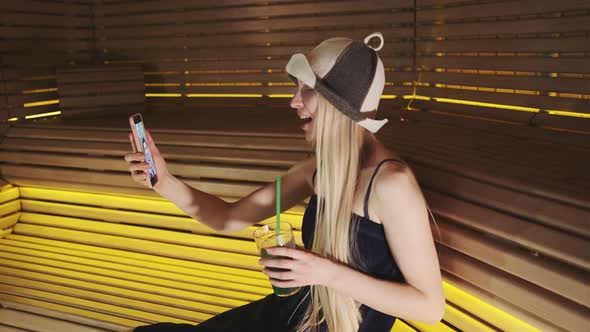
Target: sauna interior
x,y
487,100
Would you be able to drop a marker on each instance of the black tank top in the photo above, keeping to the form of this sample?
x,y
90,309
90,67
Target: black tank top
x,y
374,252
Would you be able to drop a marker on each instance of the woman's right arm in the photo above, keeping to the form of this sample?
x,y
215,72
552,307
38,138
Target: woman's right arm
x,y
214,212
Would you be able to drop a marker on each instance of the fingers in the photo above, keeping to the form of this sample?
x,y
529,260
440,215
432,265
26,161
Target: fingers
x,y
134,157
139,167
277,263
132,142
139,177
280,275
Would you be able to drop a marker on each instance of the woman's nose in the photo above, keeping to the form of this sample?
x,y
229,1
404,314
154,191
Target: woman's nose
x,y
296,101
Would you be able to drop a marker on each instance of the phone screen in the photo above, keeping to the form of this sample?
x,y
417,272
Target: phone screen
x,y
146,151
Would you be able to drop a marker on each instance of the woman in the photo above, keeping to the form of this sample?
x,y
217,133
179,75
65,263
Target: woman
x,y
369,256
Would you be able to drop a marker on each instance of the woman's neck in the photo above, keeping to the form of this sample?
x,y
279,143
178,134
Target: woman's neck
x,y
368,150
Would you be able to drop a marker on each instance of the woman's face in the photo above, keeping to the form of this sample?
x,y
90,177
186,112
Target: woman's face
x,y
306,103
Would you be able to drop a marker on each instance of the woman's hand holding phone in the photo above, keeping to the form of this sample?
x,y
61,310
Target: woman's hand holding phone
x,y
138,166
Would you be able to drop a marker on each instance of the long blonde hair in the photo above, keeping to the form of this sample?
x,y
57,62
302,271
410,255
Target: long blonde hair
x,y
338,146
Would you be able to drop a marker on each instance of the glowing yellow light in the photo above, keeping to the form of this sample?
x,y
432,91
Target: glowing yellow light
x,y
163,94
479,308
416,97
388,96
26,92
42,103
279,95
162,84
13,119
222,95
281,84
41,115
226,84
477,103
566,113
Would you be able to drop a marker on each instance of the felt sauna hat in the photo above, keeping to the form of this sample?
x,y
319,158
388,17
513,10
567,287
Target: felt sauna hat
x,y
348,73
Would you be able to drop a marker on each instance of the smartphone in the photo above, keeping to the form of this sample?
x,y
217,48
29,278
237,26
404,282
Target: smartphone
x,y
141,144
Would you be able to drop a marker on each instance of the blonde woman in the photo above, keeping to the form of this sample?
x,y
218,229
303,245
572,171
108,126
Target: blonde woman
x,y
369,255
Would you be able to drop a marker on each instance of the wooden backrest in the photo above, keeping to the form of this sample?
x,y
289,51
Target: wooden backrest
x,y
531,54
100,89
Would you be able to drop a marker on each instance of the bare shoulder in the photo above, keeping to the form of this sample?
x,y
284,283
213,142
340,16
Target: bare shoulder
x,y
396,189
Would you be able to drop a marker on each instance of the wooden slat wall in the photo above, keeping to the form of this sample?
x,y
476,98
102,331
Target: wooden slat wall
x,y
529,53
242,47
36,36
101,89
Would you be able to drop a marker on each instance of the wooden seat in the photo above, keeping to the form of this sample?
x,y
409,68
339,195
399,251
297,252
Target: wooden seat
x,y
145,248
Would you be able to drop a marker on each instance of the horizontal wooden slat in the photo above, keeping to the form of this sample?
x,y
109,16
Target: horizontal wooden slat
x,y
107,88
498,196
218,290
27,321
205,12
452,110
132,97
169,152
99,74
235,141
144,246
90,304
8,194
526,7
269,40
32,45
500,313
561,246
119,202
72,313
255,24
179,48
567,314
137,257
508,27
14,32
204,271
51,8
512,63
79,288
531,83
545,273
46,58
63,20
544,45
9,207
22,175
520,132
542,102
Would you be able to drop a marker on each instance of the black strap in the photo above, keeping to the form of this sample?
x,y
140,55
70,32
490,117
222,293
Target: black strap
x,y
366,208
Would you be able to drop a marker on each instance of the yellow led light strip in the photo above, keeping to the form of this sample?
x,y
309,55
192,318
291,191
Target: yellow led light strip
x,y
41,115
13,119
42,103
222,95
463,302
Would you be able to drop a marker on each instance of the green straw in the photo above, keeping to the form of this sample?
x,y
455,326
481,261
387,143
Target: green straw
x,y
278,227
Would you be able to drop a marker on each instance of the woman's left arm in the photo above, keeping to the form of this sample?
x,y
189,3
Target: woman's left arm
x,y
400,205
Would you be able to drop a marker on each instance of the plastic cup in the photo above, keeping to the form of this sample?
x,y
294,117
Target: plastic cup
x,y
266,237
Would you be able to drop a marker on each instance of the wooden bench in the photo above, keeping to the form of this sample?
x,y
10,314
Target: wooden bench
x,y
95,230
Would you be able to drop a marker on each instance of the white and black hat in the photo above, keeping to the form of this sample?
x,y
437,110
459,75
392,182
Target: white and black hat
x,y
348,73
